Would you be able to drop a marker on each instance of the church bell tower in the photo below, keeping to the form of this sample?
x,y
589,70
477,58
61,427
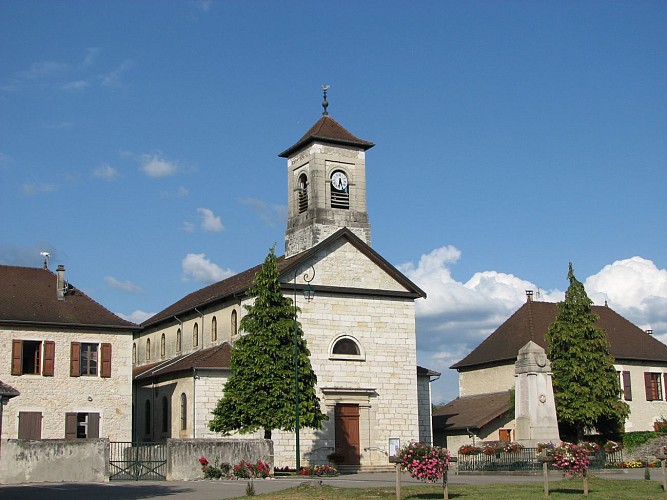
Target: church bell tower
x,y
326,185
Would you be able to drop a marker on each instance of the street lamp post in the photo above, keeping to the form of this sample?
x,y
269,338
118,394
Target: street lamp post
x,y
308,294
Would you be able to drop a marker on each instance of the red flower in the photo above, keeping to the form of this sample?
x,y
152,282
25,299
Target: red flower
x,y
203,461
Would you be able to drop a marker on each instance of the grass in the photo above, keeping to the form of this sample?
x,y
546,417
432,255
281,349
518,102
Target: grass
x,y
612,489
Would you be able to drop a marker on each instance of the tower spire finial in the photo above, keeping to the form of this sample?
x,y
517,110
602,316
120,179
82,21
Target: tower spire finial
x,y
325,104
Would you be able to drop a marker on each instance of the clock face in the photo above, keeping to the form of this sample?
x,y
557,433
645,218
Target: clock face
x,y
339,181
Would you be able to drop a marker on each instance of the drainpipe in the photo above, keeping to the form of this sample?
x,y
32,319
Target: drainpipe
x,y
202,326
194,406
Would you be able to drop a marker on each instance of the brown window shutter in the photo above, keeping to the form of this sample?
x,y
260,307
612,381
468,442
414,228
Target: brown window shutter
x,y
70,425
49,358
74,365
106,361
93,425
647,386
664,386
627,387
17,349
30,425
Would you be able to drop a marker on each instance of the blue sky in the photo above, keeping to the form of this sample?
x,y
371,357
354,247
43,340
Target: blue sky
x,y
139,143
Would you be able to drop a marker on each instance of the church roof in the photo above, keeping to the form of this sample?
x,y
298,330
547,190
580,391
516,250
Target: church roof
x,y
326,129
531,322
471,412
28,296
212,358
239,284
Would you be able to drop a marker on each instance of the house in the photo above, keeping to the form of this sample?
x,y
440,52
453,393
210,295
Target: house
x,y
487,374
66,358
360,325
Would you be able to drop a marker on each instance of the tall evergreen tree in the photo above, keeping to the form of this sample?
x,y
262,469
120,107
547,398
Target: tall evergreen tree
x,y
586,386
260,391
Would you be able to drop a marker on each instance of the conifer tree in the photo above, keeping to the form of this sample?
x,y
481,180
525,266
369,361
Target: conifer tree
x,y
260,391
586,386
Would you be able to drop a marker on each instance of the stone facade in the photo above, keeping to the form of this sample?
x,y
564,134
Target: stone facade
x,y
486,380
54,396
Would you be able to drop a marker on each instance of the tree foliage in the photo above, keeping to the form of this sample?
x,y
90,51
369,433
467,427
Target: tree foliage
x,y
260,391
586,385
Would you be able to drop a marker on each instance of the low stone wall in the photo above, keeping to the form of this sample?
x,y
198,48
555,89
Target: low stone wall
x,y
54,460
184,454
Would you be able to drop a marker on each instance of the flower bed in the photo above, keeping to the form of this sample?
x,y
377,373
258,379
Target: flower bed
x,y
242,470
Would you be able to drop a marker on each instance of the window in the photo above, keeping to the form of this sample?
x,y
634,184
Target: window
x,y
84,360
162,346
134,353
165,415
214,329
653,385
147,417
625,384
88,359
184,412
82,425
148,349
346,347
234,323
179,341
33,357
30,425
195,335
303,193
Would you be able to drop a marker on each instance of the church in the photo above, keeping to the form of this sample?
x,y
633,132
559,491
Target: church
x,y
359,324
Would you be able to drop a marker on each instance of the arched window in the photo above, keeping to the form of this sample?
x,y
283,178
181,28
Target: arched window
x,y
303,193
184,412
148,349
346,347
162,345
165,415
147,417
134,353
195,335
214,329
179,341
234,321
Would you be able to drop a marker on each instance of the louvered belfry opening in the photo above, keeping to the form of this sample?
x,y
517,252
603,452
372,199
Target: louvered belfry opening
x,y
340,199
303,193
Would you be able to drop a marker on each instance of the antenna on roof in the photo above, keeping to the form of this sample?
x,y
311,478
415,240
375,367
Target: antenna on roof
x,y
46,256
325,104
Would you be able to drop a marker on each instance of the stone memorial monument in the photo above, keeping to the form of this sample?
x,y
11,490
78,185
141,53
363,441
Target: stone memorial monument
x,y
535,408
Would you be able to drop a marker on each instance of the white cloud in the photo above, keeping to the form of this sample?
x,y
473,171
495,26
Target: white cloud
x,y
43,69
209,221
156,166
136,316
90,57
197,267
113,78
5,160
76,85
106,172
32,189
203,5
125,286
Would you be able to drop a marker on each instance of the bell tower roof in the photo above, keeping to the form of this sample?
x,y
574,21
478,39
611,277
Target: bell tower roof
x,y
328,130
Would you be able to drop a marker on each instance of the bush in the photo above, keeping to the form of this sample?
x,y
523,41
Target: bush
x,y
243,470
633,439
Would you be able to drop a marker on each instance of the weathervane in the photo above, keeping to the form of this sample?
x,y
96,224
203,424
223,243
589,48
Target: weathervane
x,y
325,104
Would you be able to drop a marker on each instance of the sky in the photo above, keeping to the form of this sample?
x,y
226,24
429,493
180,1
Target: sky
x,y
139,146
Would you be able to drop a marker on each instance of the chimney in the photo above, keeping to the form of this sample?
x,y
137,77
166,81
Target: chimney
x,y
529,295
650,332
60,282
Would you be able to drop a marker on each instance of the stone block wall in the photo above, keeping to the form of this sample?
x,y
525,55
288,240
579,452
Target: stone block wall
x,y
56,461
54,396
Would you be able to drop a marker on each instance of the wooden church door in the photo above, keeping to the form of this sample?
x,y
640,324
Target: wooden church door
x,y
347,433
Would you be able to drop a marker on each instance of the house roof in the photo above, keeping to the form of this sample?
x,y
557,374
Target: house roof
x,y
239,284
7,391
425,372
326,129
471,412
28,296
531,322
212,358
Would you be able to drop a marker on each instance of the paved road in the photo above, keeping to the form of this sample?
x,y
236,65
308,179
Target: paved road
x,y
204,490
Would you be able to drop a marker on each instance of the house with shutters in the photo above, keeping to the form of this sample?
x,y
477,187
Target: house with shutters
x,y
67,358
482,411
359,326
